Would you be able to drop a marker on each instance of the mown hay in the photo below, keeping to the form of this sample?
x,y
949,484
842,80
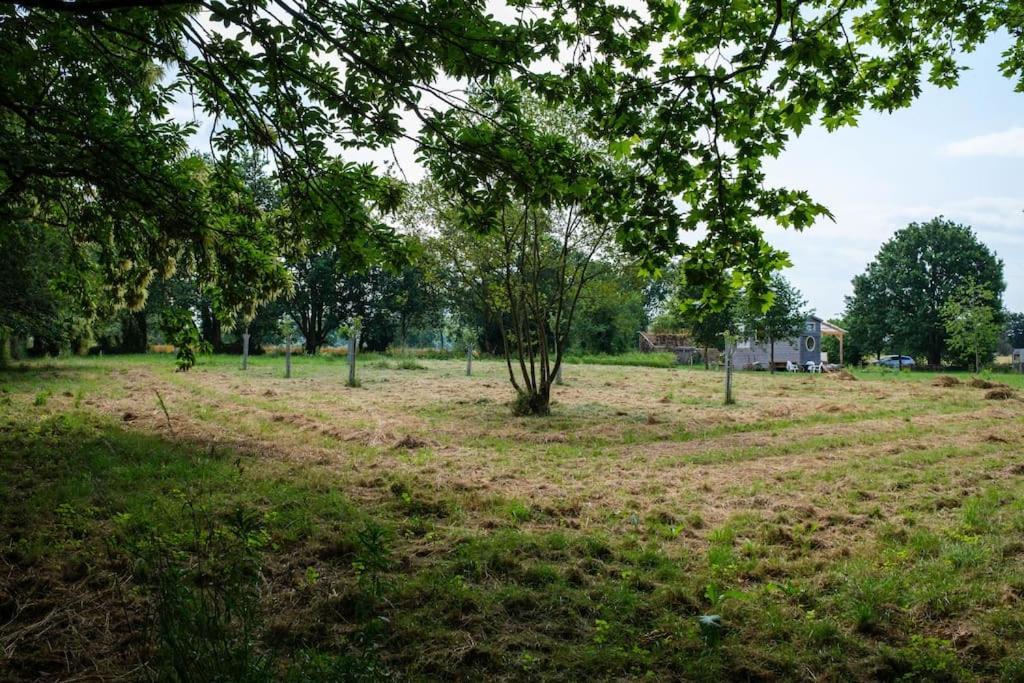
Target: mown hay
x,y
979,383
844,375
999,394
410,442
945,381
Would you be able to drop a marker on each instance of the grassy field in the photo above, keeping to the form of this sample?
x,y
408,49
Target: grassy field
x,y
221,523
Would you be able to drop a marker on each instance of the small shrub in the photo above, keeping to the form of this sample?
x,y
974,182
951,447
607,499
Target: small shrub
x,y
373,558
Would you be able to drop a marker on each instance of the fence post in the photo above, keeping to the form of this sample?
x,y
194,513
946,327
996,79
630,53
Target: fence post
x,y
245,349
287,360
469,360
729,400
352,359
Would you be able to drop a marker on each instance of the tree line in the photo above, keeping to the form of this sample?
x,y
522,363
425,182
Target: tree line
x,y
569,125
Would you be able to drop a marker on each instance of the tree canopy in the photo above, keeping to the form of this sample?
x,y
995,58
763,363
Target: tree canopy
x,y
690,97
897,302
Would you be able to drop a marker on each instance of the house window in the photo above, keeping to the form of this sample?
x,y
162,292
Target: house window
x,y
809,343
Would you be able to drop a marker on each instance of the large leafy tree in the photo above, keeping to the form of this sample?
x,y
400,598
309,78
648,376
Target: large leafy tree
x,y
323,296
899,298
87,142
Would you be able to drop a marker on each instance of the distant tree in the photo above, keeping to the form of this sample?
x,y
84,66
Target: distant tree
x,y
899,298
972,322
1013,329
49,291
783,318
866,318
322,297
612,310
705,324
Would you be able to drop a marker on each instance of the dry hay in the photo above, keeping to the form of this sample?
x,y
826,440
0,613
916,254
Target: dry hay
x,y
843,375
999,394
409,442
945,381
979,383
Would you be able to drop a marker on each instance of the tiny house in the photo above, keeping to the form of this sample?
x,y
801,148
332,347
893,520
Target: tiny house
x,y
754,354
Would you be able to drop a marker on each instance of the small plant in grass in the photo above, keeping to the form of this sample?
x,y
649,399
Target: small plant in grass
x,y
373,558
41,398
179,327
205,613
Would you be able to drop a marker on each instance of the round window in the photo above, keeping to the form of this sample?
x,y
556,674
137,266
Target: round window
x,y
809,343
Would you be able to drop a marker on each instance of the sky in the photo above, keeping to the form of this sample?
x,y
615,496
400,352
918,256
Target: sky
x,y
957,153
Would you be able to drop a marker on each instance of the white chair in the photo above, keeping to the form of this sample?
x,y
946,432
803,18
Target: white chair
x,y
792,367
811,367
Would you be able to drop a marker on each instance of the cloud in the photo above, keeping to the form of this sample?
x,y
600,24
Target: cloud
x,y
1007,143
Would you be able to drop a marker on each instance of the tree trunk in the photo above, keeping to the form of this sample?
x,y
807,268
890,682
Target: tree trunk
x,y
134,332
5,346
707,363
310,344
211,329
771,355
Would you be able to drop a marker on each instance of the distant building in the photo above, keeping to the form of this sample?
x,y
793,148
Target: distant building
x,y
679,344
752,354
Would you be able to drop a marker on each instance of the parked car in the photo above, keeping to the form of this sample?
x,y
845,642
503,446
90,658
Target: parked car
x,y
895,362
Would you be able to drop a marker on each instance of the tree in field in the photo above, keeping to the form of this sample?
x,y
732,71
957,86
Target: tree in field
x,y
899,298
972,320
323,296
783,318
46,292
529,224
